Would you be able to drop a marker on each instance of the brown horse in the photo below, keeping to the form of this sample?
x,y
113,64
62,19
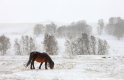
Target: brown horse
x,y
40,57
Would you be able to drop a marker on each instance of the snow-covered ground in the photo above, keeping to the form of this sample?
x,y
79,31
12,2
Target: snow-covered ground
x,y
92,67
78,68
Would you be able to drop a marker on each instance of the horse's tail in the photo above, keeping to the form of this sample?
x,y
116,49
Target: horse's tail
x,y
29,61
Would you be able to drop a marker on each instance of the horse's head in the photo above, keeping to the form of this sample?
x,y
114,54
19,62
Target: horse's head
x,y
51,65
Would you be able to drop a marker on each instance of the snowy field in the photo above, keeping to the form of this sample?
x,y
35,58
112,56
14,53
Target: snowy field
x,y
66,68
107,67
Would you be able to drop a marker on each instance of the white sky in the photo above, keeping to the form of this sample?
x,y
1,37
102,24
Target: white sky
x,y
26,11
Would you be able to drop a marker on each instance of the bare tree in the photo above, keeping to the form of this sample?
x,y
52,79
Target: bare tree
x,y
4,44
50,44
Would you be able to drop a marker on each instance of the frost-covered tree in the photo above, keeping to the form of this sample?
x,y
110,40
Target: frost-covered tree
x,y
50,44
38,29
17,47
4,44
74,30
51,28
32,45
22,42
25,45
102,47
69,46
115,27
93,44
79,46
119,28
87,45
105,47
61,31
110,27
100,26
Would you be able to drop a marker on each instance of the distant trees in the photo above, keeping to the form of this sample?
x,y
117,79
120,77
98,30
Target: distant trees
x,y
4,44
61,31
74,29
25,45
51,28
110,27
38,29
79,39
100,26
87,45
50,44
115,27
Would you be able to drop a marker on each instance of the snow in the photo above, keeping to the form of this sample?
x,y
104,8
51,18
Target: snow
x,y
81,67
17,28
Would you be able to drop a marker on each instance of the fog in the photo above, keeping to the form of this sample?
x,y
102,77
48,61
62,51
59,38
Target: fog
x,y
30,11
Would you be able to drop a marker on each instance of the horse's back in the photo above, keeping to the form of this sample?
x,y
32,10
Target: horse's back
x,y
36,52
40,57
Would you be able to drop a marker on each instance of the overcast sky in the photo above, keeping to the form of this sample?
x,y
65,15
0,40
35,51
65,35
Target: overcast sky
x,y
28,11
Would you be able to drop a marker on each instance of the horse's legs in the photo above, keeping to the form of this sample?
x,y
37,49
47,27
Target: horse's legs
x,y
33,64
40,65
45,65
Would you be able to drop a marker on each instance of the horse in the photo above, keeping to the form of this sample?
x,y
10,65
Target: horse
x,y
40,57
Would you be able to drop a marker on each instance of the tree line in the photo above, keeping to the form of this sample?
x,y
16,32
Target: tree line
x,y
83,45
114,27
73,30
26,44
87,45
78,35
